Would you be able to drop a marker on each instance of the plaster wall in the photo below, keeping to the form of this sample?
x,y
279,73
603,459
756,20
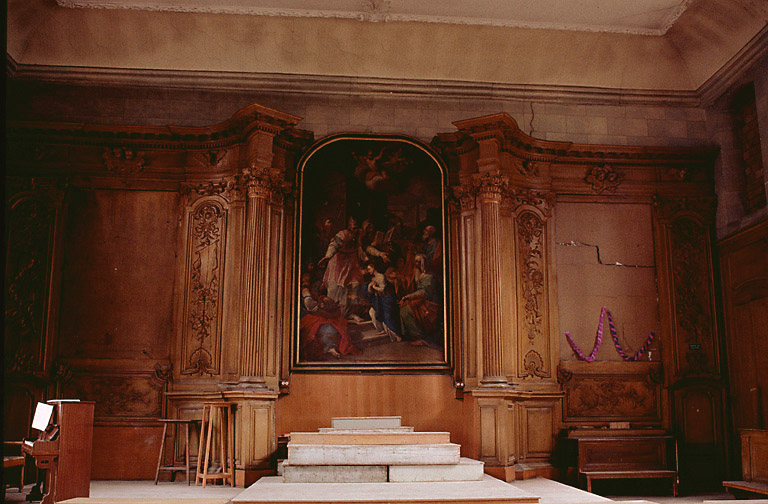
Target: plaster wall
x,y
605,258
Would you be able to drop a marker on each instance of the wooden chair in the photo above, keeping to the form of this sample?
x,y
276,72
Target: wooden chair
x,y
13,460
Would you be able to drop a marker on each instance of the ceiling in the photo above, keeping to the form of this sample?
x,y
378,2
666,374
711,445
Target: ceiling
x,y
645,17
663,49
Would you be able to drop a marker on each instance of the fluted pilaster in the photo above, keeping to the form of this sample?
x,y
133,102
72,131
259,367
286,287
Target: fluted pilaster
x,y
489,193
253,343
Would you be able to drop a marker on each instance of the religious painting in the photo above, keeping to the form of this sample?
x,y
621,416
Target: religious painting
x,y
371,269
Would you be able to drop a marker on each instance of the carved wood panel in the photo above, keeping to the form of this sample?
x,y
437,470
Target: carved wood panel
x,y
534,348
611,392
201,330
31,217
120,396
692,276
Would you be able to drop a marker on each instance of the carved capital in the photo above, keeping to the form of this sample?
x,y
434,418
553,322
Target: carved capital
x,y
463,197
490,186
265,183
123,160
604,178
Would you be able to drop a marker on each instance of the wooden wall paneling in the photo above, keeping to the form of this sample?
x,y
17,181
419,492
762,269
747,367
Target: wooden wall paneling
x,y
510,296
744,272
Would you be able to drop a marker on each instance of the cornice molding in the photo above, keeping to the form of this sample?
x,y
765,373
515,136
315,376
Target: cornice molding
x,y
330,85
382,10
378,87
730,73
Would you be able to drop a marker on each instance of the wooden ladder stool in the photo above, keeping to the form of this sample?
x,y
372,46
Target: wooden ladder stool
x,y
212,410
173,467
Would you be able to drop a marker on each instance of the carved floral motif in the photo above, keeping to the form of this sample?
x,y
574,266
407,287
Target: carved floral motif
x,y
530,230
203,306
604,178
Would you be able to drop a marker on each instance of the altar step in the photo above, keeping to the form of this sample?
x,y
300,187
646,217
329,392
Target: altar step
x,y
369,437
466,470
273,490
365,454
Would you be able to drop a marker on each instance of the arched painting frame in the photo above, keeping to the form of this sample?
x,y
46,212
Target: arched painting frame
x,y
371,279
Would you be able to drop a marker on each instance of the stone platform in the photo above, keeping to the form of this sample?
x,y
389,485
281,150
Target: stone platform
x,y
315,454
272,490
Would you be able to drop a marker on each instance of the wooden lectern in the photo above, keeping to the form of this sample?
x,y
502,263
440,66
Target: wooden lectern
x,y
63,448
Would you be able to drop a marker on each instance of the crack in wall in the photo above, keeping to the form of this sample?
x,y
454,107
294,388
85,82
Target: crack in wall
x,y
574,243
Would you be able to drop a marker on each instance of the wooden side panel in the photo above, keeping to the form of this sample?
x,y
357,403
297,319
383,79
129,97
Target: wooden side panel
x,y
426,402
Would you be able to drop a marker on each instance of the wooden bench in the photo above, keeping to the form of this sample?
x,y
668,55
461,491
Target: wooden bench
x,y
626,457
754,463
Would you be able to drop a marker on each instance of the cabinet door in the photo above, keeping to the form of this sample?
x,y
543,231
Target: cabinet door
x,y
701,444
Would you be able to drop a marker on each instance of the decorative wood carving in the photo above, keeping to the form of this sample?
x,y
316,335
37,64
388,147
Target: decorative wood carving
x,y
123,160
686,226
201,337
601,392
604,178
120,396
31,219
230,188
211,158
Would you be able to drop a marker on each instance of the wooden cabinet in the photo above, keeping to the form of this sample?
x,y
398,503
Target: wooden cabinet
x,y
633,454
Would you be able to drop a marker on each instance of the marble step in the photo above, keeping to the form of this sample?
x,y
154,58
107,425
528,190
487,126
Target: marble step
x,y
334,473
331,430
425,454
272,490
370,438
466,470
382,422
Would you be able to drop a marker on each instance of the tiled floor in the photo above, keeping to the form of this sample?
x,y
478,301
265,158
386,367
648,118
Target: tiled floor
x,y
550,492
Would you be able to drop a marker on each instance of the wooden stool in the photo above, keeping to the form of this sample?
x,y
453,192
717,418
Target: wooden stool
x,y
174,468
226,451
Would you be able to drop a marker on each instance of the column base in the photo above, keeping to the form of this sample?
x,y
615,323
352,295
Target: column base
x,y
505,473
525,471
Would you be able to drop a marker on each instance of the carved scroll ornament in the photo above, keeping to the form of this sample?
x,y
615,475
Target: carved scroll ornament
x,y
530,230
202,322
